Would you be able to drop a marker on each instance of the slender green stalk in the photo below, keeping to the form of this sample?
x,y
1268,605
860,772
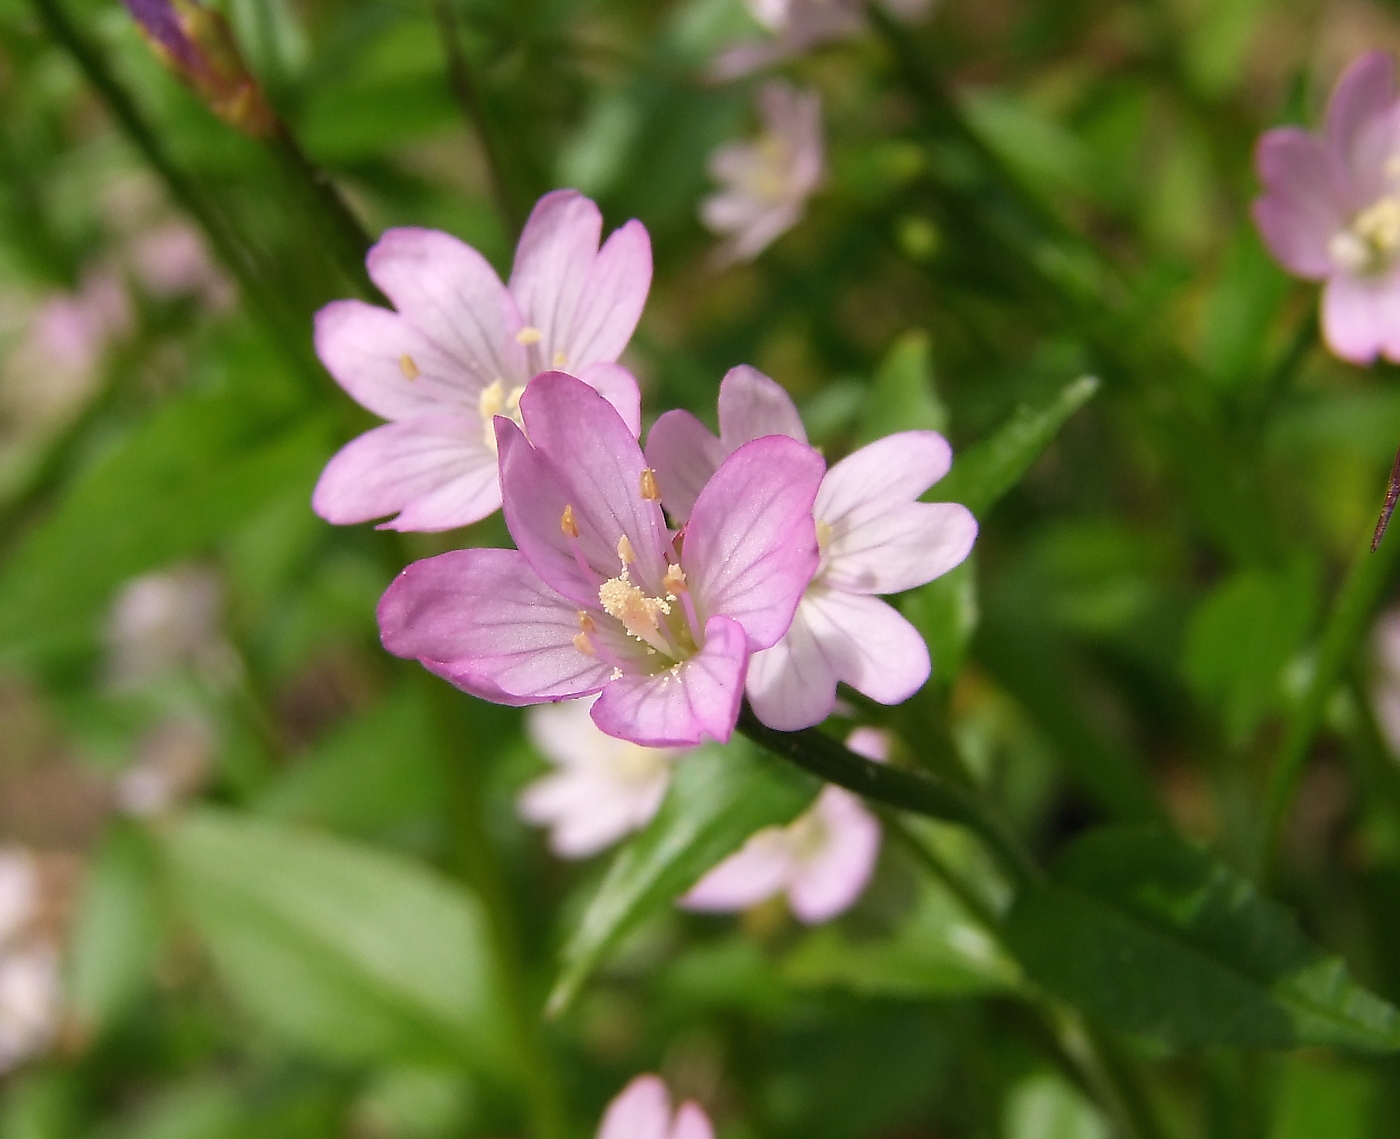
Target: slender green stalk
x,y
922,794
1347,623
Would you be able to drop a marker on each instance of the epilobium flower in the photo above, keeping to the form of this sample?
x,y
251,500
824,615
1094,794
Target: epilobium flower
x,y
796,26
822,860
766,181
598,597
1331,209
875,538
459,351
604,788
642,1110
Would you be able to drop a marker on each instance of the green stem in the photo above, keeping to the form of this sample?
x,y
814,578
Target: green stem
x,y
923,794
1350,616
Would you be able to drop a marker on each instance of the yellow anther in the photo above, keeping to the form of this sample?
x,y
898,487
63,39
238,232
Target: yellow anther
x,y
585,622
567,523
560,359
491,400
625,550
823,536
529,335
640,615
408,367
649,490
584,645
674,581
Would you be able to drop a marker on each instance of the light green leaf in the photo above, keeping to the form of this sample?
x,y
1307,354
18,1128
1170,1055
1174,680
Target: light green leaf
x,y
987,470
1155,937
720,796
945,613
353,953
903,397
1046,1106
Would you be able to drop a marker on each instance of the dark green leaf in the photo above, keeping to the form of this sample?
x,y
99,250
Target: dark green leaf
x,y
1155,937
719,797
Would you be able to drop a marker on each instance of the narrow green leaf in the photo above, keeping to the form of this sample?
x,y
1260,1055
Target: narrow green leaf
x,y
353,953
719,797
903,397
1154,937
945,612
987,470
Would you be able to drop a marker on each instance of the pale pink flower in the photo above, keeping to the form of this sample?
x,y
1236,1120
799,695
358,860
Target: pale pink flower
x,y
642,1110
875,538
604,787
1331,209
598,597
766,181
796,26
164,620
172,762
459,351
171,260
822,860
29,1001
19,892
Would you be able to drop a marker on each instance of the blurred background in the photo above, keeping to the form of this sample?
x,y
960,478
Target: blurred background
x,y
258,878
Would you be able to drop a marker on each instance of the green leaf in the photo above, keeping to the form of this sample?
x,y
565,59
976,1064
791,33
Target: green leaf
x,y
1046,1106
1317,1096
173,487
719,797
1154,937
987,470
903,397
353,953
945,613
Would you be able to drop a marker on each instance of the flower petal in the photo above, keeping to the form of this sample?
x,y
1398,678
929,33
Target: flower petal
x,y
897,468
484,620
557,249
691,1123
793,684
899,548
751,406
750,548
695,701
684,455
829,882
761,868
619,387
1301,208
1366,90
1361,317
435,469
611,303
598,464
586,811
642,1110
451,295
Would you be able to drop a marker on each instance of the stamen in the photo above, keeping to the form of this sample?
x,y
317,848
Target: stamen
x,y
560,360
823,537
408,367
584,645
639,614
674,581
528,336
625,550
649,488
586,623
567,523
491,400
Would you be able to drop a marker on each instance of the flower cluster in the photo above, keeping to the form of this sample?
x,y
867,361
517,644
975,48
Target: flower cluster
x,y
665,583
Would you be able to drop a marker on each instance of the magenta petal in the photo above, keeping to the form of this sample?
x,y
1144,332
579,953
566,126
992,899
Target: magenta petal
x,y
751,545
619,387
642,1110
552,261
450,293
1364,91
1361,317
829,883
757,871
484,620
1301,208
691,1123
614,294
751,406
696,701
598,464
684,455
437,470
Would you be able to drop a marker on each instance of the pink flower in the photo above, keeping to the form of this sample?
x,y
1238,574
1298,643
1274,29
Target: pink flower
x,y
875,538
460,349
822,860
598,597
642,1110
796,26
766,182
604,788
1331,209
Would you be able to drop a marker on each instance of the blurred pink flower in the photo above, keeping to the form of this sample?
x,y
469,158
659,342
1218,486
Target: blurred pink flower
x,y
875,538
642,1110
767,181
796,26
598,597
29,1001
604,788
822,860
459,351
171,261
1330,210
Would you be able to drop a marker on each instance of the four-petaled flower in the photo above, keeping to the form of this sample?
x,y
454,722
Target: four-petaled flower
x,y
875,538
1331,209
459,351
598,596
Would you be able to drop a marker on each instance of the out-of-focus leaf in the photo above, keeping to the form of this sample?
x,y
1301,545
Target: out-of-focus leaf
x,y
354,953
1045,1106
1242,637
945,612
719,797
116,933
1043,152
415,1103
177,484
987,470
1321,1097
204,1108
1237,318
903,397
1155,937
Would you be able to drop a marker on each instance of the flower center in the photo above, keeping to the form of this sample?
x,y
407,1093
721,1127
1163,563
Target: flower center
x,y
496,400
807,835
1370,243
766,179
